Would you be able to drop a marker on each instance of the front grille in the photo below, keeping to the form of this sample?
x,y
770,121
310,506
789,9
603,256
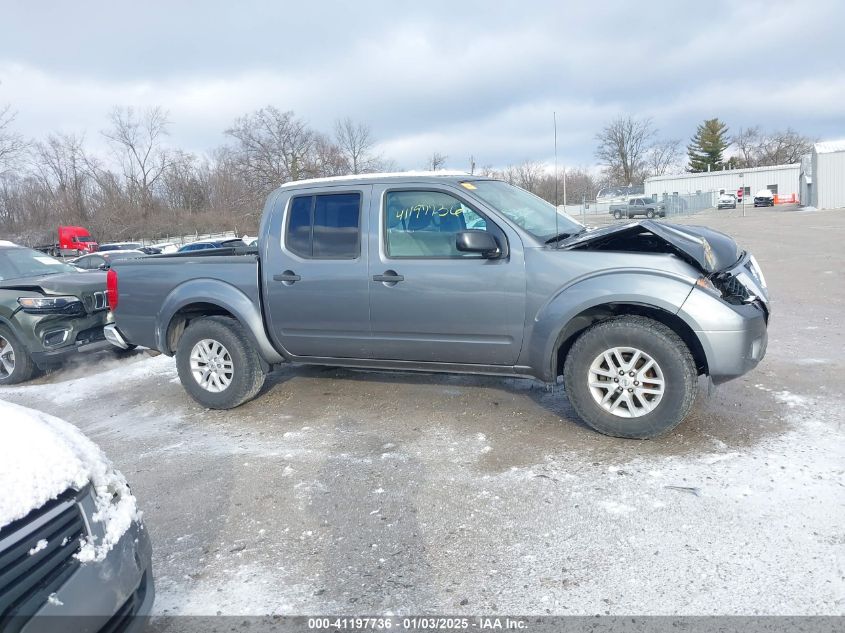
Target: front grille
x,y
95,302
30,570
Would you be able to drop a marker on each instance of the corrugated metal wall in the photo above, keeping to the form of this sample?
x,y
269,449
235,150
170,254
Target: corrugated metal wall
x,y
829,180
784,176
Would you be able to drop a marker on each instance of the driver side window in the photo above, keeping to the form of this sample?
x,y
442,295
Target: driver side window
x,y
426,224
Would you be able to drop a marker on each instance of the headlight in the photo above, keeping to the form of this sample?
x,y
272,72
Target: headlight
x,y
51,305
705,284
757,272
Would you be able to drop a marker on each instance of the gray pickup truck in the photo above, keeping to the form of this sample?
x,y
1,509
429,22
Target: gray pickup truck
x,y
645,206
461,274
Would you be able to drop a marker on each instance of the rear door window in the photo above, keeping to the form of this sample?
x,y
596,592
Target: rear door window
x,y
325,226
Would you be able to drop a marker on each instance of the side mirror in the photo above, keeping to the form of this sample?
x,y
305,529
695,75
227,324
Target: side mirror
x,y
477,241
103,266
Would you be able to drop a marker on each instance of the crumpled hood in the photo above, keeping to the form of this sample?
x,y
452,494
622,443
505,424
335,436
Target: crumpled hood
x,y
710,250
77,284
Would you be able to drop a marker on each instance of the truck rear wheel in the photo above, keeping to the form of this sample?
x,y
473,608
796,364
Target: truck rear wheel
x,y
15,363
630,377
617,215
217,364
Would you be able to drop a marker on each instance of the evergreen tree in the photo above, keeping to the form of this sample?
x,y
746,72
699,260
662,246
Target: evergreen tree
x,y
707,147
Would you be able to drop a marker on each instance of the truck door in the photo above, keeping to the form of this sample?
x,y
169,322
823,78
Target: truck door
x,y
314,272
431,302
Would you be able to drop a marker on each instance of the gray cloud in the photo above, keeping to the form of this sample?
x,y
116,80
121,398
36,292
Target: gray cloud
x,y
458,78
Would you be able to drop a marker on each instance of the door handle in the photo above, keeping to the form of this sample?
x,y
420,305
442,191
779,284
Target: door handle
x,y
389,277
288,277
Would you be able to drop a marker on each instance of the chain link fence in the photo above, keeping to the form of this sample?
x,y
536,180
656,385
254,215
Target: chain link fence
x,y
594,213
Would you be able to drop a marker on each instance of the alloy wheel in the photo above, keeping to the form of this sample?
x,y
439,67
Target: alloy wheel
x,y
211,365
626,382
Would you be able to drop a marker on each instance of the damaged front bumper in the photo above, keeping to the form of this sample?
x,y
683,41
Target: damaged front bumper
x,y
732,328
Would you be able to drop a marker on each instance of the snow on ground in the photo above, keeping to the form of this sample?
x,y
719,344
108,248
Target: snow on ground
x,y
309,501
41,457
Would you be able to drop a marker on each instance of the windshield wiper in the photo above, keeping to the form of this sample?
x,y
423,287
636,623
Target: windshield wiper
x,y
562,236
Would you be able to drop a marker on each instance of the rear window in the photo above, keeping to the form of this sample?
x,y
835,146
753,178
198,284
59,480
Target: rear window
x,y
325,226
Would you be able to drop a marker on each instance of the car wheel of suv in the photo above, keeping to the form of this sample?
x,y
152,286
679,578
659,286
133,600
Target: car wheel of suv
x,y
217,364
630,377
15,363
617,215
649,214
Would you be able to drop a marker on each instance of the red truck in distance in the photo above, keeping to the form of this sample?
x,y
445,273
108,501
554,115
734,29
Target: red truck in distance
x,y
73,241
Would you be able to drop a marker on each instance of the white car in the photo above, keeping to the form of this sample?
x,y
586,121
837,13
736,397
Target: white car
x,y
726,201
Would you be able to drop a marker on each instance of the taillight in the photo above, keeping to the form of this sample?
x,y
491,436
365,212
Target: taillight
x,y
111,289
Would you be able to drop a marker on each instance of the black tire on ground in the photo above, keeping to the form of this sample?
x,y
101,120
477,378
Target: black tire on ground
x,y
649,214
617,215
247,373
24,367
656,340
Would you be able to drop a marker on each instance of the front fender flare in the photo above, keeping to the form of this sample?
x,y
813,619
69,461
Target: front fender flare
x,y
224,296
554,322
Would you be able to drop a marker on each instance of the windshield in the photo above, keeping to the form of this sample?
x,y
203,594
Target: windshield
x,y
23,262
82,238
530,212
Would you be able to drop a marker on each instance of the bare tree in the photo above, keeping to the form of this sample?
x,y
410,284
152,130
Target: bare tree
x,y
355,142
529,175
785,147
622,148
136,139
759,149
747,142
436,161
273,147
61,168
663,157
12,144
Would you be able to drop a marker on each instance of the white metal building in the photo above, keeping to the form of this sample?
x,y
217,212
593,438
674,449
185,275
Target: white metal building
x,y
827,190
779,179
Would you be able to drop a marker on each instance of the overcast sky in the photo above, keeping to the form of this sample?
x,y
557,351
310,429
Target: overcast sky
x,y
460,78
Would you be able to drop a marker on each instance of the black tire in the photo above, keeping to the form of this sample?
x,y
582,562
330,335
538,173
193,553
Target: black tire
x,y
617,215
649,214
656,340
24,367
247,373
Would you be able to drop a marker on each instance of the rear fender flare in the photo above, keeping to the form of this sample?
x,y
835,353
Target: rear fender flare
x,y
225,296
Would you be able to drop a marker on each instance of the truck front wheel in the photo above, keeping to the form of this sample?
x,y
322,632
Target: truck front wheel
x,y
630,377
217,364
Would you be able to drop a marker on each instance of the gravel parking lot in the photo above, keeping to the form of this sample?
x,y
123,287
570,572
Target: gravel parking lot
x,y
341,491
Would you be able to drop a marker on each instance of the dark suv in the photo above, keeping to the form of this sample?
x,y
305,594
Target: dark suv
x,y
48,310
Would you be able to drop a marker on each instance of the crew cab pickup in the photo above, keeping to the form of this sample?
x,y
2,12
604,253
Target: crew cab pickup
x,y
648,207
384,271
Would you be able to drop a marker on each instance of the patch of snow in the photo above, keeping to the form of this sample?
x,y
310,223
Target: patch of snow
x,y
42,456
42,544
790,399
54,600
614,507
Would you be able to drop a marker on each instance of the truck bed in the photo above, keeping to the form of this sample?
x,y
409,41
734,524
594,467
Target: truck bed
x,y
152,286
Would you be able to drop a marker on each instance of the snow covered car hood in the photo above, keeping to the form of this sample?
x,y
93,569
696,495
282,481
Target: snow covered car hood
x,y
42,456
709,250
